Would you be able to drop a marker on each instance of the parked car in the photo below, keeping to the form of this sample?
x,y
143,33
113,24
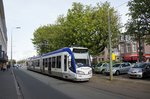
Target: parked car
x,y
140,70
119,68
100,68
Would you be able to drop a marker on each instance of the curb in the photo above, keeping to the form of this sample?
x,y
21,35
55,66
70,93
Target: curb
x,y
20,96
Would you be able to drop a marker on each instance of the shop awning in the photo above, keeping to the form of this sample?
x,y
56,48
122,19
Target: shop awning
x,y
134,57
130,57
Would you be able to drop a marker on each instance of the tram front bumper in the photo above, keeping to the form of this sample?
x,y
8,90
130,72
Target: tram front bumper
x,y
83,77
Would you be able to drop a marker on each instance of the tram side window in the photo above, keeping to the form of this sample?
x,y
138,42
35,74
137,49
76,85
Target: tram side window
x,y
43,62
38,63
35,63
58,61
65,63
53,62
46,62
32,63
50,63
27,63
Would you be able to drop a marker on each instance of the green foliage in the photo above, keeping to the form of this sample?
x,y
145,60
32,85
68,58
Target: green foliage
x,y
88,26
21,61
46,38
139,24
84,25
13,62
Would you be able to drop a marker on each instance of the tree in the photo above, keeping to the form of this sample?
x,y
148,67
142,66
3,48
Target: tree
x,y
21,61
13,62
83,25
88,26
46,38
139,24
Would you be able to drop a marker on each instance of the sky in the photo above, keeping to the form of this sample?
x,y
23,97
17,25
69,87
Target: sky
x,y
31,14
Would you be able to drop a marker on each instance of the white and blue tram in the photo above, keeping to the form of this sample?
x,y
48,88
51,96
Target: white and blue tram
x,y
69,63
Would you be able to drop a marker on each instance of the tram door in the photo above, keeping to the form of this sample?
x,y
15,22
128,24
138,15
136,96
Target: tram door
x,y
50,65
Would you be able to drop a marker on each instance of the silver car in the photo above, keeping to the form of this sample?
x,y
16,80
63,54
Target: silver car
x,y
119,68
100,68
139,70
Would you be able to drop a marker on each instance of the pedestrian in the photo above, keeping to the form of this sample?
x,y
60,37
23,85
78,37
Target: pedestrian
x,y
8,66
1,67
4,67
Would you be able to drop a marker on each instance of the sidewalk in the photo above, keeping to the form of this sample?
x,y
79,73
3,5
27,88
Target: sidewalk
x,y
7,85
124,78
131,88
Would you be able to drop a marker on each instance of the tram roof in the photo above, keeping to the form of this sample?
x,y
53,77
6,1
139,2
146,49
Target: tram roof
x,y
65,49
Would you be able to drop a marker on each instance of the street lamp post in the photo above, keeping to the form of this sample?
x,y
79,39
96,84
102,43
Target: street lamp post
x,y
110,47
110,42
12,43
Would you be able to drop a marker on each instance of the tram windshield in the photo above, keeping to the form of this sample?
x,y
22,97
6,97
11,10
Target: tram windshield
x,y
82,62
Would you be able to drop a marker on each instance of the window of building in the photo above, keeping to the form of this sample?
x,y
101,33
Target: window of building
x,y
122,48
128,48
134,47
128,38
122,37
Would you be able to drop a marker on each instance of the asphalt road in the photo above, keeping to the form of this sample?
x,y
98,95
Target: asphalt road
x,y
37,86
32,88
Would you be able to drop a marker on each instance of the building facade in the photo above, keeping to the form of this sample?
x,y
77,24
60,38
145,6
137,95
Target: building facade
x,y
129,49
3,36
126,51
104,57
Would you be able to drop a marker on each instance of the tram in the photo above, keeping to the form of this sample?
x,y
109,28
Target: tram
x,y
69,63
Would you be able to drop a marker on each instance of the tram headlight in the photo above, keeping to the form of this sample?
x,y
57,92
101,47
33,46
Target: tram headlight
x,y
80,72
90,72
